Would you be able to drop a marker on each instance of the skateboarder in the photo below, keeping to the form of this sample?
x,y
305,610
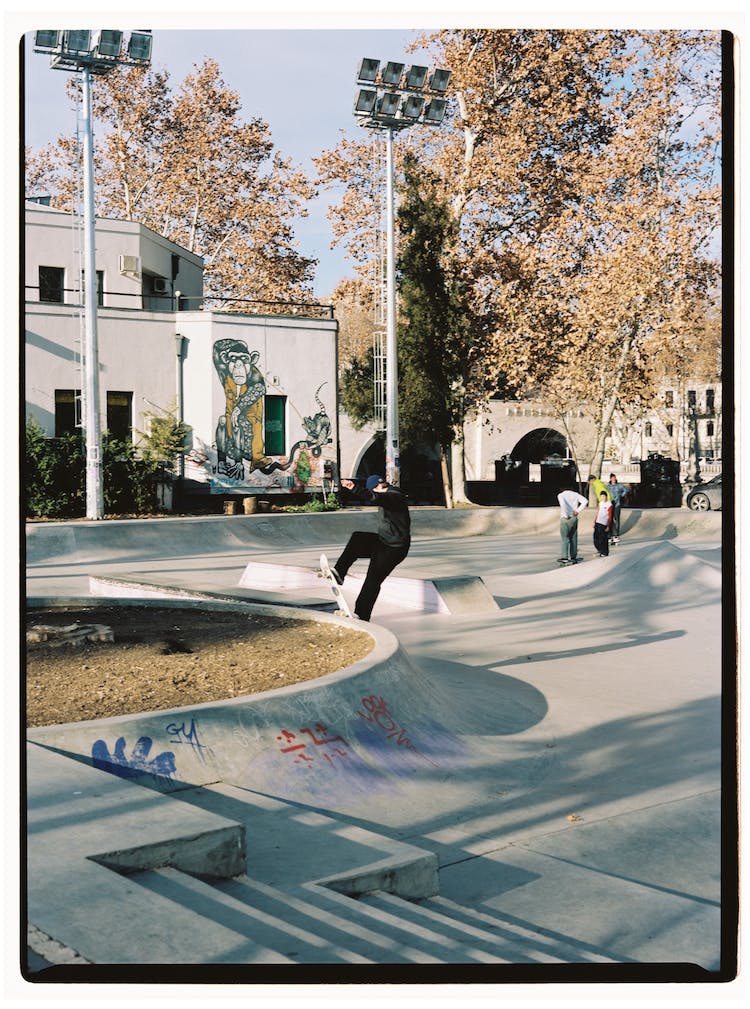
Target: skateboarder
x,y
386,548
571,503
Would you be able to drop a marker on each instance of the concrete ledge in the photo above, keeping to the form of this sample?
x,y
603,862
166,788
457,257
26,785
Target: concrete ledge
x,y
425,595
213,854
162,588
411,876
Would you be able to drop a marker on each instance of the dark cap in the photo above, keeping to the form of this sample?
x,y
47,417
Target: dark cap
x,y
373,481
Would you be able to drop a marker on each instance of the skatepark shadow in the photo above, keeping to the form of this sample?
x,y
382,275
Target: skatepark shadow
x,y
501,854
479,699
630,641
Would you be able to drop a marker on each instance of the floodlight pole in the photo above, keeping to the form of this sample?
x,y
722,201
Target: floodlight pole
x,y
92,422
376,109
105,56
392,461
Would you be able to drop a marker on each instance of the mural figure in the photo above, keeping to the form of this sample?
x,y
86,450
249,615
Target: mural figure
x,y
239,432
317,434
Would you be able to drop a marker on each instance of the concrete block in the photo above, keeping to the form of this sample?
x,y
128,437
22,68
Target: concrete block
x,y
411,876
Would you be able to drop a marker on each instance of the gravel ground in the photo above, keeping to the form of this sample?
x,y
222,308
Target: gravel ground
x,y
151,658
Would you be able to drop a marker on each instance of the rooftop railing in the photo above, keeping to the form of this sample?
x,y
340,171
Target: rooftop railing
x,y
71,298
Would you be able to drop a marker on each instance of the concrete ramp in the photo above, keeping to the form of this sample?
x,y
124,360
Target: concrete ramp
x,y
653,568
179,536
381,738
424,595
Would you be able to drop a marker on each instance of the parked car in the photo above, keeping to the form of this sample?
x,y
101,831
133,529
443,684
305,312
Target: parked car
x,y
705,496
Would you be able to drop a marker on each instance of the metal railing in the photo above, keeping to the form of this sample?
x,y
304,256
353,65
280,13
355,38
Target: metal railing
x,y
72,298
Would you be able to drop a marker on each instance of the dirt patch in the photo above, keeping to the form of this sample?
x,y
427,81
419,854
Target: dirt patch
x,y
159,657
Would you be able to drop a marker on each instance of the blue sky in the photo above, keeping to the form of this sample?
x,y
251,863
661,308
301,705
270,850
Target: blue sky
x,y
301,82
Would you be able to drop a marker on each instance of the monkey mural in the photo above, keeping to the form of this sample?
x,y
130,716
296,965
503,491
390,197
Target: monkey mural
x,y
239,432
239,429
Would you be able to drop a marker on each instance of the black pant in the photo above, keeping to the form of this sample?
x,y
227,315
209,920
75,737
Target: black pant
x,y
601,539
383,559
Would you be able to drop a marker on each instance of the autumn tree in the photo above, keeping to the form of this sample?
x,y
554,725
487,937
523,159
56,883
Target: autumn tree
x,y
504,171
626,269
189,167
354,309
580,167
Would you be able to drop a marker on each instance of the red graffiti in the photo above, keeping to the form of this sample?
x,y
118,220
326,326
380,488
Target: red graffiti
x,y
319,736
382,717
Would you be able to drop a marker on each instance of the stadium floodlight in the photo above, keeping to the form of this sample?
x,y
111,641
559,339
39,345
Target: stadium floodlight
x,y
411,107
108,43
392,73
365,102
76,42
388,104
415,77
139,46
368,71
434,111
439,80
46,40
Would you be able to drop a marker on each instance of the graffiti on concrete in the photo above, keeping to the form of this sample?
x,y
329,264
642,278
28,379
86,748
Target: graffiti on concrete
x,y
180,735
377,714
139,763
319,738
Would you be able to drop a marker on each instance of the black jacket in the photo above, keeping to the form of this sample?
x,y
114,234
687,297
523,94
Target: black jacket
x,y
394,521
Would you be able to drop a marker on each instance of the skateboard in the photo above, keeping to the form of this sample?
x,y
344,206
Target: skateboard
x,y
564,563
325,572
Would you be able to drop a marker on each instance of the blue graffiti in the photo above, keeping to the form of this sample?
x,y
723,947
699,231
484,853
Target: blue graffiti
x,y
180,734
137,764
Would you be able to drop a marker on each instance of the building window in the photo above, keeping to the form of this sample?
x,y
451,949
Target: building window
x,y
710,429
692,398
670,430
52,284
669,398
275,428
649,431
120,415
67,411
710,406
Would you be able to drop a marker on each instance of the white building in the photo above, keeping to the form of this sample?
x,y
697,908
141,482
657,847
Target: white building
x,y
259,392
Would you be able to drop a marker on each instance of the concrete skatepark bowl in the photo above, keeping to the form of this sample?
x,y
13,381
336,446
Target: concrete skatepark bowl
x,y
523,776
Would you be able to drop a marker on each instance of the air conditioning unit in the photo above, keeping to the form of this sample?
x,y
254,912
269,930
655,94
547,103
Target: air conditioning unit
x,y
161,285
130,264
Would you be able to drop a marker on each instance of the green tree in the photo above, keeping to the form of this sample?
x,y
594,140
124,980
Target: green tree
x,y
435,328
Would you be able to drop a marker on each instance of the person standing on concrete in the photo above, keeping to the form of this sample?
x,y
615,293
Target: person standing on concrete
x,y
386,548
571,504
602,524
618,492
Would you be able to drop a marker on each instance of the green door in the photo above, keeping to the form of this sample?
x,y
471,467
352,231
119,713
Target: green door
x,y
275,425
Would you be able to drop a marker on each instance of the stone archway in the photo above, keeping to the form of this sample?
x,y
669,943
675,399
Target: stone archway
x,y
540,444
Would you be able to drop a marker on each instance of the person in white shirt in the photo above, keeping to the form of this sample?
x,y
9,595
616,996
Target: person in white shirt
x,y
571,504
602,524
